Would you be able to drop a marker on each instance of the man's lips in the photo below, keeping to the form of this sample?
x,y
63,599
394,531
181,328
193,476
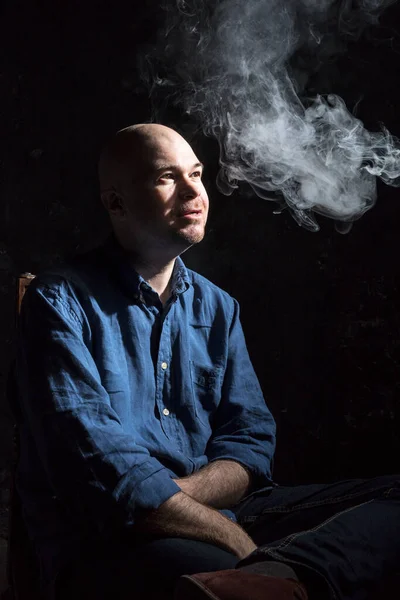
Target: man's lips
x,y
191,213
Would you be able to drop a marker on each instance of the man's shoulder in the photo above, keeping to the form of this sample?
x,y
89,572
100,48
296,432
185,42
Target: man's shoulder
x,y
79,272
203,287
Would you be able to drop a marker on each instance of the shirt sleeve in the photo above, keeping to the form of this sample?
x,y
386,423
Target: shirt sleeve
x,y
243,429
97,470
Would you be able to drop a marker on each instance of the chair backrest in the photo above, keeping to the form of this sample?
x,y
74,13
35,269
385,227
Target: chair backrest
x,y
23,282
22,285
22,567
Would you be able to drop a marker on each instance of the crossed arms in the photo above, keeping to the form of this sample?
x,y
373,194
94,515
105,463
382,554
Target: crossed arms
x,y
191,513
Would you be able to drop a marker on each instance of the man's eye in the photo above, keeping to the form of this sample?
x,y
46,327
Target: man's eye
x,y
197,174
167,176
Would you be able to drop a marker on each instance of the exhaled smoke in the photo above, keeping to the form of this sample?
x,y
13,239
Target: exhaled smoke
x,y
240,68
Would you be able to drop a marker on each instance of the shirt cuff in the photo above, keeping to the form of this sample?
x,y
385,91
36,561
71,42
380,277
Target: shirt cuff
x,y
145,487
258,466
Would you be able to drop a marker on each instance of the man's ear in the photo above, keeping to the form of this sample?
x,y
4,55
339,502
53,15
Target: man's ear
x,y
113,203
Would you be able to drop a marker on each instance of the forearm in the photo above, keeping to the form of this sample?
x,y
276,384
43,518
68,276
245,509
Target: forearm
x,y
221,484
182,516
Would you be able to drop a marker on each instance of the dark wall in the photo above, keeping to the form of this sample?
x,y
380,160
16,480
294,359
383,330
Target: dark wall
x,y
320,311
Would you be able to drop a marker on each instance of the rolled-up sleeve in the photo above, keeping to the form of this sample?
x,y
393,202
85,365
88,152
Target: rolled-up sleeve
x,y
97,470
243,429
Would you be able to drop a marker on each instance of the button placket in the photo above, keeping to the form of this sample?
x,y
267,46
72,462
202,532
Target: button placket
x,y
164,367
164,362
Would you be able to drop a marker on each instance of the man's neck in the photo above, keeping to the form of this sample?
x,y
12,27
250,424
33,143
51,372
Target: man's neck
x,y
157,276
155,266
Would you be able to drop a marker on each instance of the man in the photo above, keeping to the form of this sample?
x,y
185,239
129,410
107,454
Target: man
x,y
146,444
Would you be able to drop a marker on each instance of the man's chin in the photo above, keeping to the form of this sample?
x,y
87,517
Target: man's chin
x,y
189,237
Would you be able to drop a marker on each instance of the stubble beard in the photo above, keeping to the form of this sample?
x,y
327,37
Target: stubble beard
x,y
194,233
189,236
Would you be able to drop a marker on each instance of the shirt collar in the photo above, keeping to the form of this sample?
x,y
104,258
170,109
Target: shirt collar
x,y
130,280
180,277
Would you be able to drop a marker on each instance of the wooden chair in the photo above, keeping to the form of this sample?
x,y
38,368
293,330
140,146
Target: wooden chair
x,y
22,567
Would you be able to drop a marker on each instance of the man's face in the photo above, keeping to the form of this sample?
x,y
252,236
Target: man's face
x,y
166,203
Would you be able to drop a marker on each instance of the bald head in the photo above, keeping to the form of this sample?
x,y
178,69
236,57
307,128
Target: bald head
x,y
129,153
151,186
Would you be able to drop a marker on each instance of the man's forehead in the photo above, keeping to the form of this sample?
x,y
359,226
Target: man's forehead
x,y
167,151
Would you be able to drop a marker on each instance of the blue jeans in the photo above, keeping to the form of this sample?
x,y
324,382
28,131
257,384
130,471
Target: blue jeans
x,y
342,539
131,569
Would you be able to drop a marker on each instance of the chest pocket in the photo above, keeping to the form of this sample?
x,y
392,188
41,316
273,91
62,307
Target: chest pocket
x,y
206,387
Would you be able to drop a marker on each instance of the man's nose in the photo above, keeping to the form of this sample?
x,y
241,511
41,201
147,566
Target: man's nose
x,y
189,190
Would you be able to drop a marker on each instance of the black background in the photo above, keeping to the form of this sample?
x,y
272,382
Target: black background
x,y
320,310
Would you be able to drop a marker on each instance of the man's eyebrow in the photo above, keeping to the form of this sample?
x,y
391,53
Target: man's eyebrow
x,y
169,167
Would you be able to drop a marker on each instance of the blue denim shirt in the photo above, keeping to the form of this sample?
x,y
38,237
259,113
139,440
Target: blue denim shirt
x,y
120,395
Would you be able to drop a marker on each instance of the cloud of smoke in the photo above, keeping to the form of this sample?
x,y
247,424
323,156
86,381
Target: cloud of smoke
x,y
240,69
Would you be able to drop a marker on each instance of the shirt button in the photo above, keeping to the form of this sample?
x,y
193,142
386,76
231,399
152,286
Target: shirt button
x,y
166,412
164,365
